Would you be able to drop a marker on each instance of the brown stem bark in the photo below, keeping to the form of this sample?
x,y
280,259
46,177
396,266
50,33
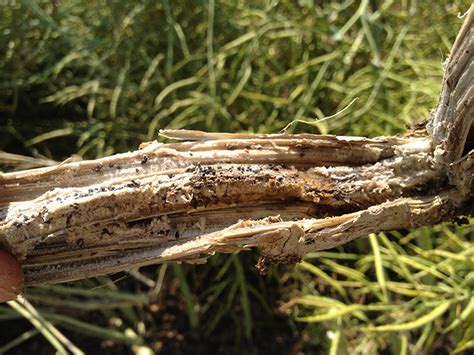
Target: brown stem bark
x,y
283,194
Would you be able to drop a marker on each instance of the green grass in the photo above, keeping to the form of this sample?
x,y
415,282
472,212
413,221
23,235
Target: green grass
x,y
94,78
404,288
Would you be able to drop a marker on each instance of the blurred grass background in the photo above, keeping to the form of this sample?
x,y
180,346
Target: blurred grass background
x,y
92,78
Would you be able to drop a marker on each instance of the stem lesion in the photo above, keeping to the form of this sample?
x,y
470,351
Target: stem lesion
x,y
215,192
453,117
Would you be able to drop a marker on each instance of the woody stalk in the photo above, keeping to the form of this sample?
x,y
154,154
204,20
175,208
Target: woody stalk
x,y
285,195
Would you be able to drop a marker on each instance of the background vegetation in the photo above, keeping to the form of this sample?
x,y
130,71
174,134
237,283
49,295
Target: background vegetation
x,y
92,78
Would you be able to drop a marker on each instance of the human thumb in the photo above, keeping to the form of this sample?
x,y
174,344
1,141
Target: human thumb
x,y
11,277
